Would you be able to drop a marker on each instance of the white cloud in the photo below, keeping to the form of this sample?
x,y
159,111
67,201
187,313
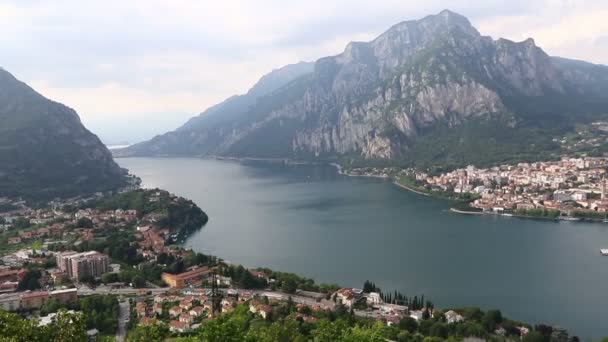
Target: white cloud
x,y
141,61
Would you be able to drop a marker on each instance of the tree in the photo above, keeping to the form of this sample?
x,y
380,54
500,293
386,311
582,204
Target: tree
x,y
30,281
69,327
282,331
534,336
439,330
14,328
107,278
408,324
221,329
327,331
426,314
21,223
157,331
51,305
138,281
289,286
491,319
84,222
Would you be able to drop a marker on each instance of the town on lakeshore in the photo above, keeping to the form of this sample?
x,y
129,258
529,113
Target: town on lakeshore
x,y
568,189
113,262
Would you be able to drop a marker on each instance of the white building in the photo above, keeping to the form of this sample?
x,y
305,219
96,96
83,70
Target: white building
x,y
453,317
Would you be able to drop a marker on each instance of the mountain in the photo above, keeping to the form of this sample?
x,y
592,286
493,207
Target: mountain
x,y
427,92
45,151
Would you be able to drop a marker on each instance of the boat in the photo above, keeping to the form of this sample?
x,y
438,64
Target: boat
x,y
604,251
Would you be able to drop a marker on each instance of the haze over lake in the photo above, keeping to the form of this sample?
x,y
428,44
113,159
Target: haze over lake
x,y
311,221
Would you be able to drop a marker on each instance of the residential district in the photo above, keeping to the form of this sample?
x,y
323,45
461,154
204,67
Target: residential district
x,y
114,260
569,188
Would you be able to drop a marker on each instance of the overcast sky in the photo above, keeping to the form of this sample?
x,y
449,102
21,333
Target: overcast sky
x,y
133,69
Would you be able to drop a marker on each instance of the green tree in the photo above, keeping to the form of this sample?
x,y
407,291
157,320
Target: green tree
x,y
439,330
84,222
289,286
30,281
408,324
107,278
156,332
221,329
327,331
16,329
69,327
491,319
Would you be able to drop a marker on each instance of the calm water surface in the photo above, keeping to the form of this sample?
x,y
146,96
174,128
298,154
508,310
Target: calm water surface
x,y
312,221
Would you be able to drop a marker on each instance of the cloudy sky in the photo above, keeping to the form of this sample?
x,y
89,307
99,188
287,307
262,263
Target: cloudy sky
x,y
133,69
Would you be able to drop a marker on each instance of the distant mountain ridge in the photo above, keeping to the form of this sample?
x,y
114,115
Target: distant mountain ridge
x,y
430,91
45,151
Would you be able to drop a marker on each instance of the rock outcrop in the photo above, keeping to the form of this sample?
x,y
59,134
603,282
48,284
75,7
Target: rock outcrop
x,y
375,100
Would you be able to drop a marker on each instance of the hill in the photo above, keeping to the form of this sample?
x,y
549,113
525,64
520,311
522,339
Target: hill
x,y
45,151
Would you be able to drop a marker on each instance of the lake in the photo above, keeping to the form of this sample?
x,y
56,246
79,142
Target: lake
x,y
337,229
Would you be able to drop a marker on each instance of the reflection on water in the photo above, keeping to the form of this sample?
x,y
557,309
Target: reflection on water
x,y
312,221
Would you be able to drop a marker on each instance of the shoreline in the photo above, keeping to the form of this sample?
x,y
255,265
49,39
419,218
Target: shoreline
x,y
410,189
454,210
340,171
556,219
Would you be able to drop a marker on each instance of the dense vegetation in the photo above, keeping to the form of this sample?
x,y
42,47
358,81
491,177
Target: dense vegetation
x,y
178,214
282,281
101,312
288,323
66,328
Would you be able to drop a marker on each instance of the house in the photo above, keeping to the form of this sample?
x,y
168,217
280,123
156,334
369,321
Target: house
x,y
393,320
307,319
10,302
145,321
14,240
34,300
179,327
186,318
416,314
207,305
92,335
140,309
197,311
227,281
65,296
175,311
183,279
523,331
373,298
346,297
259,274
157,308
185,304
453,317
265,311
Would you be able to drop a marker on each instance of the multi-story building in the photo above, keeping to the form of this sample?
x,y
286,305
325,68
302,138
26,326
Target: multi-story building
x,y
78,265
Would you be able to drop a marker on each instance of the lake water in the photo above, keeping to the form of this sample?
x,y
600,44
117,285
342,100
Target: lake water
x,y
337,229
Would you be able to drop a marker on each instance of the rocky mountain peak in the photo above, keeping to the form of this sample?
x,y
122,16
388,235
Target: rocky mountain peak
x,y
385,98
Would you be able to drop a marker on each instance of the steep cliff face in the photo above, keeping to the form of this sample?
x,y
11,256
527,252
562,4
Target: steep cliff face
x,y
376,99
45,151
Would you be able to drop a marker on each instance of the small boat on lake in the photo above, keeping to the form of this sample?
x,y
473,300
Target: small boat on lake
x,y
604,251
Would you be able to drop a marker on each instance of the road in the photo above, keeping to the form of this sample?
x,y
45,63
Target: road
x,y
123,315
85,291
